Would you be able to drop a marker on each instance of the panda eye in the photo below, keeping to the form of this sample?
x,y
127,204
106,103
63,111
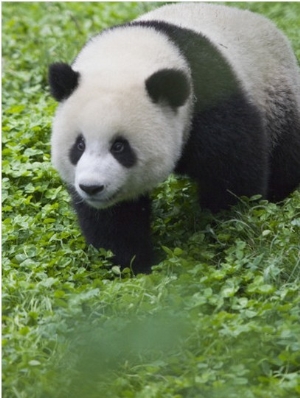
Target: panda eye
x,y
80,144
77,150
122,151
118,146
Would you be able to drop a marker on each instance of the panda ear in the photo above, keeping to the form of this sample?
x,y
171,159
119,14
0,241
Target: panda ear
x,y
63,80
168,85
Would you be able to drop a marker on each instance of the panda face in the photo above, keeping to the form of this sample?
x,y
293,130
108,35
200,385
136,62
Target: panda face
x,y
124,115
112,161
116,144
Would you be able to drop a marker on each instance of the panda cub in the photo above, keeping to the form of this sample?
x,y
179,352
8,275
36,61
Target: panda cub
x,y
202,90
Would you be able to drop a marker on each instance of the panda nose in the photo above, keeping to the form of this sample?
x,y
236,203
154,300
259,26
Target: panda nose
x,y
91,189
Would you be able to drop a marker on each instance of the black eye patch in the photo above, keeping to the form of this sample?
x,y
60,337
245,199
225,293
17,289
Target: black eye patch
x,y
77,150
122,152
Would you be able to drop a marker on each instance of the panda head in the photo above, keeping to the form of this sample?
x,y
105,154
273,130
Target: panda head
x,y
116,136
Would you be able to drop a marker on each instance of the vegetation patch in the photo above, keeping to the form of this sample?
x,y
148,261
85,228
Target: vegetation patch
x,y
219,315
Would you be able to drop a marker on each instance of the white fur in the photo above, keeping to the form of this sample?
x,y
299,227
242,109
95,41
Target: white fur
x,y
259,53
111,98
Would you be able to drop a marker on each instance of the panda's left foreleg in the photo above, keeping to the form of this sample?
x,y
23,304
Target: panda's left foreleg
x,y
124,229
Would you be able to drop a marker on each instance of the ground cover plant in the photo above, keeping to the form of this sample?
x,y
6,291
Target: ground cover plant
x,y
219,315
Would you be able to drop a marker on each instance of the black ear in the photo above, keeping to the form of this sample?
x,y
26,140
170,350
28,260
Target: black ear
x,y
170,85
63,80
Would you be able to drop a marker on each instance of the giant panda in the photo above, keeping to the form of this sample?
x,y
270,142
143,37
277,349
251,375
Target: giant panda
x,y
201,90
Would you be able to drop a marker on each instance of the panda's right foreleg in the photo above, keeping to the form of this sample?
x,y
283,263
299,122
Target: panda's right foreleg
x,y
124,229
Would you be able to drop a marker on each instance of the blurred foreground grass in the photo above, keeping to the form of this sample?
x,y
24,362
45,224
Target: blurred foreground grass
x,y
218,317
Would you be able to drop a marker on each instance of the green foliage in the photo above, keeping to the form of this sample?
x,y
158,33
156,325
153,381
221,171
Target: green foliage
x,y
219,315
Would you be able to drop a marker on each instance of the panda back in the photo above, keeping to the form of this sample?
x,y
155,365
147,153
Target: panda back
x,y
259,54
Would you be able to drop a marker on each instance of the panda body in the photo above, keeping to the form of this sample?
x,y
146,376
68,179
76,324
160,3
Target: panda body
x,y
203,90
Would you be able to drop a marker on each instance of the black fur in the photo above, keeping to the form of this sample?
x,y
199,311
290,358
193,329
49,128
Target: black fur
x,y
124,229
285,154
123,152
120,149
77,150
227,152
169,85
223,139
213,78
63,80
230,152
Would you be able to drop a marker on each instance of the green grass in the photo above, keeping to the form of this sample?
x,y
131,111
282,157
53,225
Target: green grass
x,y
218,317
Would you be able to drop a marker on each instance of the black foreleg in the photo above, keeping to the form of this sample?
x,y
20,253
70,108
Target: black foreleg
x,y
227,154
124,229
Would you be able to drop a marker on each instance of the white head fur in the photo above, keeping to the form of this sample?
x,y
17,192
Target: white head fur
x,y
111,100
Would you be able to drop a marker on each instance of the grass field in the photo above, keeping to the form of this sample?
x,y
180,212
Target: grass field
x,y
219,315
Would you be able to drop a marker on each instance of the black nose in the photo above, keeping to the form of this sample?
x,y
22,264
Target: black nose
x,y
91,189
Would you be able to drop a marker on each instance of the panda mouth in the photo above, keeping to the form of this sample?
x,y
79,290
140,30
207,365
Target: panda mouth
x,y
103,202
